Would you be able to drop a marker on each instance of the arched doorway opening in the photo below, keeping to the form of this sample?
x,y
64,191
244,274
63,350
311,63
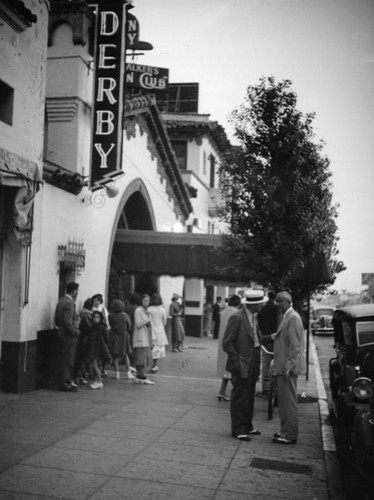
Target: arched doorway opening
x,y
137,214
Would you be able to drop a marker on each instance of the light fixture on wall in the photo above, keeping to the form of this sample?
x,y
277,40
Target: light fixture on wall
x,y
98,197
112,191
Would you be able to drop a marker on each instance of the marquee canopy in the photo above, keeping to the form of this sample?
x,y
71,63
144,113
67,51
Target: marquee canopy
x,y
175,254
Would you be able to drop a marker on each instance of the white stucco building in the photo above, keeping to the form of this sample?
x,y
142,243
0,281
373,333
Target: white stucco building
x,y
117,239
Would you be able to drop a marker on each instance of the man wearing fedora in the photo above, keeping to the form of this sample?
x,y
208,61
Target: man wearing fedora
x,y
241,342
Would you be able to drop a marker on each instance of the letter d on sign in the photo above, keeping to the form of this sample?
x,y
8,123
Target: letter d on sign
x,y
107,19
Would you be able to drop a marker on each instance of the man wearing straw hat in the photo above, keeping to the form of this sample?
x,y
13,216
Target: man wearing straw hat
x,y
241,341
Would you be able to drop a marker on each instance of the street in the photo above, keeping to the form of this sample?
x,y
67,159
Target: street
x,y
170,440
355,484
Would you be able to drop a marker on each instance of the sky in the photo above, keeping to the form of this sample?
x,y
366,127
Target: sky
x,y
326,49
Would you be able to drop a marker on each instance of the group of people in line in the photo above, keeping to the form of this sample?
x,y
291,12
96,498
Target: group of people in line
x,y
131,333
246,324
134,334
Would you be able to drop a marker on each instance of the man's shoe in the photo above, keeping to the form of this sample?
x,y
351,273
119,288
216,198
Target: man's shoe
x,y
154,369
73,384
146,381
277,434
223,397
254,432
243,437
281,440
68,388
97,385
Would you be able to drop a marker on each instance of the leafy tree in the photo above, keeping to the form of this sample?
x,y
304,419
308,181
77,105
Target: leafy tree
x,y
278,193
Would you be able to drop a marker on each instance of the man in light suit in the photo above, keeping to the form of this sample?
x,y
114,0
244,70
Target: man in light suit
x,y
289,362
67,322
241,341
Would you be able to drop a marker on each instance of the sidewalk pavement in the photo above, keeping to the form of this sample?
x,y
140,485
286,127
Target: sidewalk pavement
x,y
167,441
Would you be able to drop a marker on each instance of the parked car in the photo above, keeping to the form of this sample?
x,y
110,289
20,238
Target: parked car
x,y
321,320
352,381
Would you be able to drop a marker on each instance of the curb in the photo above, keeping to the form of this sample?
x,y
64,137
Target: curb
x,y
328,441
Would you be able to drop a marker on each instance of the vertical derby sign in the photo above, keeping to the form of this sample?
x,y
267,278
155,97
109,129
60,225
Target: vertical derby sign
x,y
110,36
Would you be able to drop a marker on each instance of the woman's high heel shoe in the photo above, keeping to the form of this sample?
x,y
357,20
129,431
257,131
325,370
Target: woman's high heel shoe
x,y
223,397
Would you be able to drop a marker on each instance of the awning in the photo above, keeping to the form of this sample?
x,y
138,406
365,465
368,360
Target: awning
x,y
190,255
16,171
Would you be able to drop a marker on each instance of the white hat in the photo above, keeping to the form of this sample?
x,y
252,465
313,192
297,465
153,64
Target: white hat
x,y
254,297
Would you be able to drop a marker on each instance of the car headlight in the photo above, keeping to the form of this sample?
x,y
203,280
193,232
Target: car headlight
x,y
362,389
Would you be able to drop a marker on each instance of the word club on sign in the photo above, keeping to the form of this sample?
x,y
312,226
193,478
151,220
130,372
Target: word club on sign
x,y
106,153
147,77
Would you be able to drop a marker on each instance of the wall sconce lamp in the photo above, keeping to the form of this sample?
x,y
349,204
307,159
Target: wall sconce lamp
x,y
98,197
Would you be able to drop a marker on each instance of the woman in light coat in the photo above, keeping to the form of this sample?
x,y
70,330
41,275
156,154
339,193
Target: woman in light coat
x,y
143,340
158,318
233,306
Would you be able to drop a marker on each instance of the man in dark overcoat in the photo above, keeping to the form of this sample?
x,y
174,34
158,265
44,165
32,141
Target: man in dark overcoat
x,y
241,341
217,306
67,322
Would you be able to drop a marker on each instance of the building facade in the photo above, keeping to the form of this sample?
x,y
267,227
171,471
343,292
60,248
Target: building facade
x,y
23,55
54,228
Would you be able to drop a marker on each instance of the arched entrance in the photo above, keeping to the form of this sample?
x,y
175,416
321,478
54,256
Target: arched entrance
x,y
136,214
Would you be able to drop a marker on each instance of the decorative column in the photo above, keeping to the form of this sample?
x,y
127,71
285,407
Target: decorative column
x,y
194,307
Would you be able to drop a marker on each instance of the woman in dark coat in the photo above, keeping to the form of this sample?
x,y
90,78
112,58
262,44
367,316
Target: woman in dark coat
x,y
119,337
83,368
97,349
177,328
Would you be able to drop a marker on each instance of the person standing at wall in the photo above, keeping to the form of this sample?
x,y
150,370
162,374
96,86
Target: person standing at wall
x,y
242,341
268,320
289,362
97,347
217,306
130,305
67,322
208,318
159,319
177,328
233,305
119,338
82,364
98,305
143,340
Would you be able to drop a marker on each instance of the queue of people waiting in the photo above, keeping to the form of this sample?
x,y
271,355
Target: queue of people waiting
x,y
131,333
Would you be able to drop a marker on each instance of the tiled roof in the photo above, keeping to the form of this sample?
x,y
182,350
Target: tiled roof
x,y
197,128
139,102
